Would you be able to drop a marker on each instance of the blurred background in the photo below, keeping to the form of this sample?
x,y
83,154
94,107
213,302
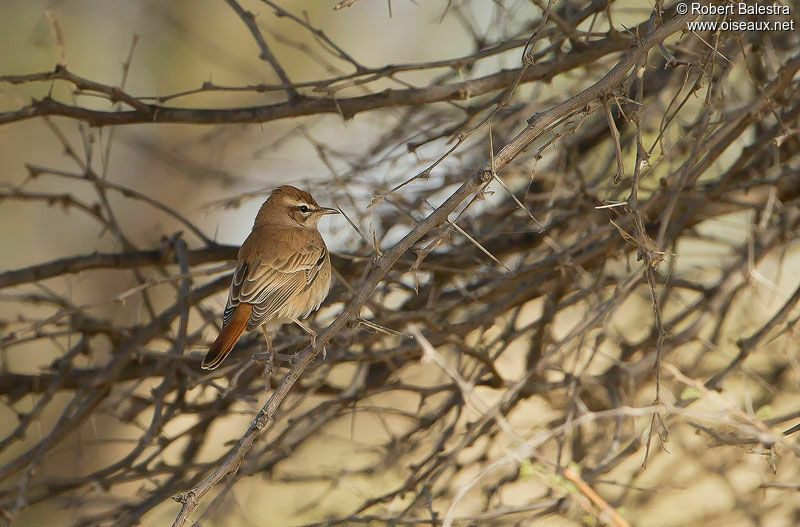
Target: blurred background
x,y
540,300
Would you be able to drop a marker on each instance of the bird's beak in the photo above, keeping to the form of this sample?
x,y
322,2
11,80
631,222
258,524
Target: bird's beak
x,y
327,210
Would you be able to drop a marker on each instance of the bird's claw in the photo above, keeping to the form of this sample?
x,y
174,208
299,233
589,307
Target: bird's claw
x,y
314,346
261,357
272,357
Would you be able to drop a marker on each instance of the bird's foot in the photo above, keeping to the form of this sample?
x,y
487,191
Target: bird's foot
x,y
272,357
314,346
311,332
264,357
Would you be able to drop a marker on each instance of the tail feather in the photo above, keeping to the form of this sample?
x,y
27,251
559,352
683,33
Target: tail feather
x,y
228,337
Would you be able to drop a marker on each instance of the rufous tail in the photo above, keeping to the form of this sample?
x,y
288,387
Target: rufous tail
x,y
227,337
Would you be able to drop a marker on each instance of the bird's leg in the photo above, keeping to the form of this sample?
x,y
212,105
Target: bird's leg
x,y
269,354
308,330
313,334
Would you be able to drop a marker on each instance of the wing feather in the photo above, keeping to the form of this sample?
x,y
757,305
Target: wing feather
x,y
268,279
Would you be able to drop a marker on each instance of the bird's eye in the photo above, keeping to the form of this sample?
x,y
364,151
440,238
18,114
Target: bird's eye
x,y
303,209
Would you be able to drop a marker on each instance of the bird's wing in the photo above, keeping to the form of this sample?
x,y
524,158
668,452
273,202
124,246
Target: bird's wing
x,y
272,270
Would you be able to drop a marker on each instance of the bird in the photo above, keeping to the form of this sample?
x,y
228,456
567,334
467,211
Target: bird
x,y
283,272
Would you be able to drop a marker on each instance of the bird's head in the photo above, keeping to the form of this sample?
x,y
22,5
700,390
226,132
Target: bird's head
x,y
288,204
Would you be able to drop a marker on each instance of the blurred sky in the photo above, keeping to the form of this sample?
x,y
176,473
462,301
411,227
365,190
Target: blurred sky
x,y
181,45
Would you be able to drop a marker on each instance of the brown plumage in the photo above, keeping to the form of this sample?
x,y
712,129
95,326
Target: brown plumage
x,y
283,271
